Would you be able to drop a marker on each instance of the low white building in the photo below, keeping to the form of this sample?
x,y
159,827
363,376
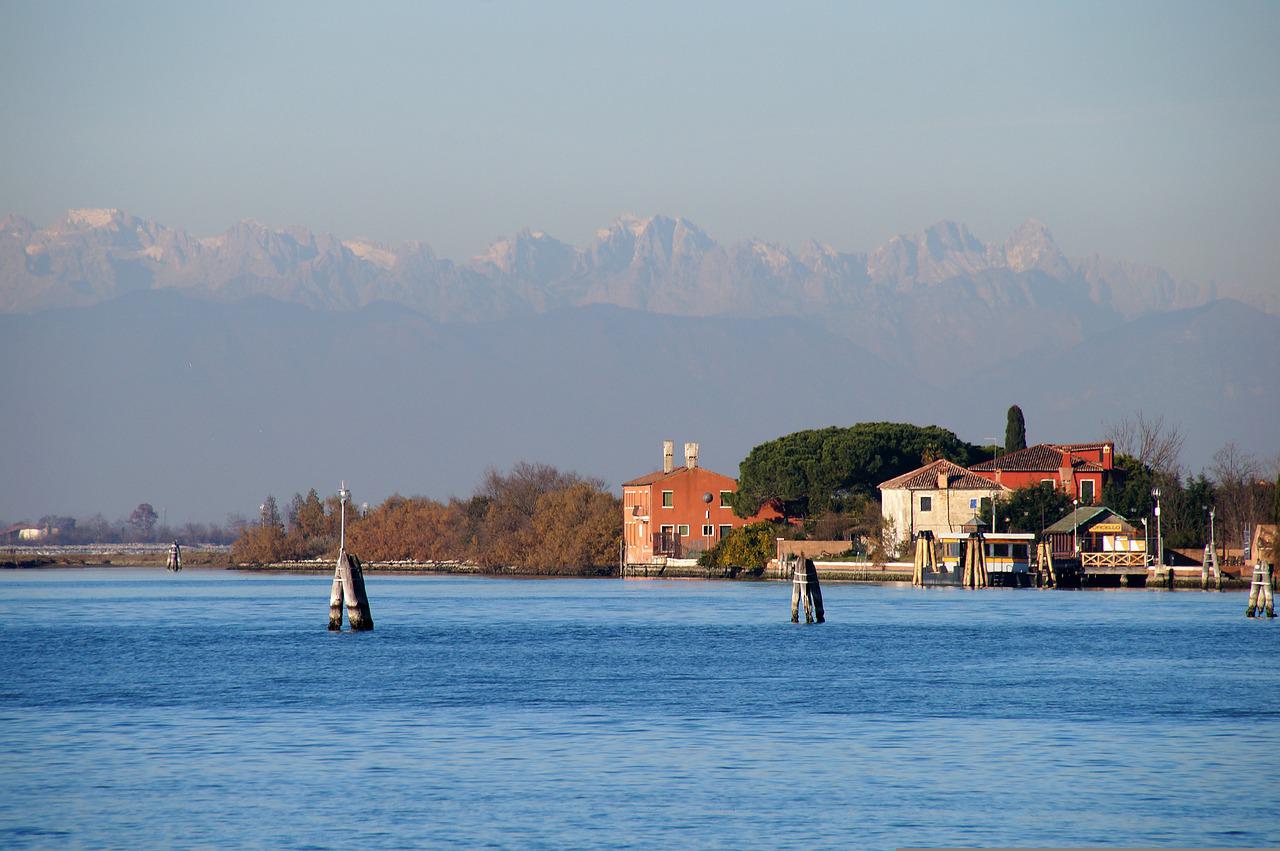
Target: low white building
x,y
938,497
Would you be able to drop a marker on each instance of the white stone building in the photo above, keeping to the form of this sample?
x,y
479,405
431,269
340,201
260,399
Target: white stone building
x,y
938,497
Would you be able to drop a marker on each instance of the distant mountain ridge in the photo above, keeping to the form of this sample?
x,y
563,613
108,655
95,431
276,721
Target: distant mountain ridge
x,y
943,277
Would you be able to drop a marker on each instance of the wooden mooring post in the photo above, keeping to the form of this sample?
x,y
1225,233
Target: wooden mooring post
x,y
1208,566
1044,564
975,564
348,588
805,587
1261,597
926,559
174,563
348,581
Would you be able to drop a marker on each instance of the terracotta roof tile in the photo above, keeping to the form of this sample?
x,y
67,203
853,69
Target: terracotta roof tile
x,y
658,476
1041,458
926,478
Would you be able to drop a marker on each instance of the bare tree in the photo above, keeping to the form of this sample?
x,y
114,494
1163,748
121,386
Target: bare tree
x,y
1235,475
1152,441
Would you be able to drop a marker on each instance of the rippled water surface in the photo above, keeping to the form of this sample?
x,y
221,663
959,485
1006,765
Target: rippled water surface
x,y
144,709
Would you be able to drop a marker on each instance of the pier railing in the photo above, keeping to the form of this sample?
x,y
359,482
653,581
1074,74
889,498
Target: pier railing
x,y
1114,559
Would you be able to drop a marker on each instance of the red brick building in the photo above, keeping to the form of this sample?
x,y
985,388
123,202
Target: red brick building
x,y
1077,469
679,511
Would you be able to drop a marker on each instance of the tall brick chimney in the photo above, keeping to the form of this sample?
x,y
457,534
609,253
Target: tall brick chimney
x,y
668,455
691,455
1067,473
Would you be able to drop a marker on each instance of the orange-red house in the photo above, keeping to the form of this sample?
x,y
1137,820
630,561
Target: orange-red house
x,y
676,512
1077,469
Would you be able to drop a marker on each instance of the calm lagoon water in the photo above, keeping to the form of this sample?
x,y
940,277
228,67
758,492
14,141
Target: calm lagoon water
x,y
144,709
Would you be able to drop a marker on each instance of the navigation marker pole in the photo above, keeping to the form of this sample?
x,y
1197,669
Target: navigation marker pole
x,y
804,586
1261,599
348,580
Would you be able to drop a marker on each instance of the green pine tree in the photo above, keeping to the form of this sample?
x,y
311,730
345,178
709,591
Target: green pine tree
x,y
1015,430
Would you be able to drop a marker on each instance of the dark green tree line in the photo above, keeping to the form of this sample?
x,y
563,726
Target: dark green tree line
x,y
820,470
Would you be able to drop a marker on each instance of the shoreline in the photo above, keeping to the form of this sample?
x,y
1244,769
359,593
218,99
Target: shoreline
x,y
219,560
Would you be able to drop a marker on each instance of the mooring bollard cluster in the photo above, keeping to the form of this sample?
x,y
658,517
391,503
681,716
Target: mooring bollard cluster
x,y
975,564
926,559
348,587
1261,597
1045,572
804,586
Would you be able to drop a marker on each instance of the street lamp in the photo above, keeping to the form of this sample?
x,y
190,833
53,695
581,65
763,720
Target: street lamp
x,y
343,496
1075,525
1155,492
1213,509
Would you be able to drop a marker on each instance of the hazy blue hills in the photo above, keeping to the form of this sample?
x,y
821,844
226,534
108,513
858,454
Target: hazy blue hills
x,y
204,406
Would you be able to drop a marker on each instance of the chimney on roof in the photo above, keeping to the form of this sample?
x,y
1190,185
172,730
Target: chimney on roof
x,y
691,455
1067,472
668,455
943,481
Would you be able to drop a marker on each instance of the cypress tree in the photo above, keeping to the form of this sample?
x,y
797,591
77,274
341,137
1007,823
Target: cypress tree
x,y
1015,430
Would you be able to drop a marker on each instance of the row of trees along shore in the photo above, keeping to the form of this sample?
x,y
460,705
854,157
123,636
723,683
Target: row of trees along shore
x,y
535,518
143,526
538,519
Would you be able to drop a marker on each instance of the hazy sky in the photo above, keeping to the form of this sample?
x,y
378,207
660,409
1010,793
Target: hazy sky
x,y
1141,130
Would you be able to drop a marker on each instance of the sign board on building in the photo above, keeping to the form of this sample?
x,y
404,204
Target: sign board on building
x,y
1106,527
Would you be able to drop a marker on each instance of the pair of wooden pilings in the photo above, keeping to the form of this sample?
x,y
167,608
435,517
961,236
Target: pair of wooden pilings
x,y
1262,602
348,587
1044,564
804,586
1208,565
926,559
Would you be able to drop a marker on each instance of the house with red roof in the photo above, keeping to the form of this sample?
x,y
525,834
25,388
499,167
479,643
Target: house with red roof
x,y
1077,469
938,497
677,512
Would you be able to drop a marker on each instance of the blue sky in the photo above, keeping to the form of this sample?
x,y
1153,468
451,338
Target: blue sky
x,y
1140,130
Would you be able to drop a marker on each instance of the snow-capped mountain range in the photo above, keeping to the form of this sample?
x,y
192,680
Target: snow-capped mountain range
x,y
897,299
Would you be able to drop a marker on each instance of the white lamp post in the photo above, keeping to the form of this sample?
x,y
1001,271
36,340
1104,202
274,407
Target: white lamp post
x,y
1213,509
1075,525
1155,492
343,496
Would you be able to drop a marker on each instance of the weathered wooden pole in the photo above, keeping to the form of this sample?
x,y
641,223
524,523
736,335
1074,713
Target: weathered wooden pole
x,y
174,562
335,599
357,601
1261,597
813,602
799,577
1267,590
917,573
